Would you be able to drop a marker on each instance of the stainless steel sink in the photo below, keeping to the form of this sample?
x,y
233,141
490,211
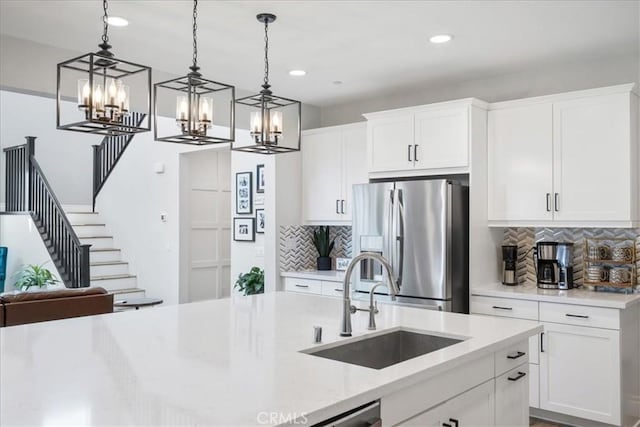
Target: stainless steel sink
x,y
386,349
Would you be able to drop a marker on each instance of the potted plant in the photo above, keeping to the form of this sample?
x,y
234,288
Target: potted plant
x,y
324,245
35,277
251,283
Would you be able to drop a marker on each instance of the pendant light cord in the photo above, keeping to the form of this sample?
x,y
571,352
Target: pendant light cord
x,y
266,54
195,38
105,21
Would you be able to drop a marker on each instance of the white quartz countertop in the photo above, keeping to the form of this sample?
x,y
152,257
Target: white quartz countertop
x,y
223,362
328,276
578,296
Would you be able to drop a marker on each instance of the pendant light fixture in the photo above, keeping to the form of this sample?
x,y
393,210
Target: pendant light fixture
x,y
106,91
274,121
196,100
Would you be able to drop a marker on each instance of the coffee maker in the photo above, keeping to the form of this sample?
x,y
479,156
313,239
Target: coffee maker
x,y
553,265
509,260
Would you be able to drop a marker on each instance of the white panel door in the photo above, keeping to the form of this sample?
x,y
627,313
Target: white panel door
x,y
592,159
390,143
354,165
322,176
209,219
512,397
580,372
442,139
520,168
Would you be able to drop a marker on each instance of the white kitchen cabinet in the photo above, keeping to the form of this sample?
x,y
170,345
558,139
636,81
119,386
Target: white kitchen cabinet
x,y
565,160
425,140
579,372
512,397
520,163
332,161
476,407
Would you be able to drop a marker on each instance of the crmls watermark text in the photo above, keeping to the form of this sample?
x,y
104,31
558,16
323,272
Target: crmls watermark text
x,y
282,418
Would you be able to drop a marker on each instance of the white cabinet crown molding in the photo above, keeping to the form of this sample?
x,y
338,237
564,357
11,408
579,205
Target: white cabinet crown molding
x,y
348,126
475,102
564,96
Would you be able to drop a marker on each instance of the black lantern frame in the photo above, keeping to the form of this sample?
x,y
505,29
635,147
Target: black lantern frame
x,y
194,87
267,128
98,69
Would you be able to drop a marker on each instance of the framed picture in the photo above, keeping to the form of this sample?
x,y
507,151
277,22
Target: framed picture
x,y
260,179
244,193
260,221
244,229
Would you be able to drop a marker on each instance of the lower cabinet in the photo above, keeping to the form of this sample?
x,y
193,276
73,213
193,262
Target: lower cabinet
x,y
314,287
512,397
580,372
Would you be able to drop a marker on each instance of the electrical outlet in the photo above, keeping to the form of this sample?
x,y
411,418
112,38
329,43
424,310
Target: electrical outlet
x,y
163,217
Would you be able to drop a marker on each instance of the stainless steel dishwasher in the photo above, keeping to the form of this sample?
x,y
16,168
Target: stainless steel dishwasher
x,y
363,416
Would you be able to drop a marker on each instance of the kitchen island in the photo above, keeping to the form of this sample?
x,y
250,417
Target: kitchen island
x,y
239,362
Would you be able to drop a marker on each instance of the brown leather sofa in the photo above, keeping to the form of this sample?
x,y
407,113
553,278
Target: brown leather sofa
x,y
31,307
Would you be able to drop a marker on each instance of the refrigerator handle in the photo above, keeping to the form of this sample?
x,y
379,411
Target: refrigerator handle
x,y
388,226
397,259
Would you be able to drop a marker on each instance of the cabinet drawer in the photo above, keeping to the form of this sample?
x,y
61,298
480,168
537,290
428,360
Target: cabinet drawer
x,y
332,289
303,286
512,397
511,357
580,315
504,307
534,386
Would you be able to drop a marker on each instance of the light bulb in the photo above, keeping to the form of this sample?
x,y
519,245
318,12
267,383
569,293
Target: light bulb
x,y
113,91
276,122
256,122
181,108
97,99
84,93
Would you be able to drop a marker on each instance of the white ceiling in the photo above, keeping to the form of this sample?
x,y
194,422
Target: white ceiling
x,y
372,46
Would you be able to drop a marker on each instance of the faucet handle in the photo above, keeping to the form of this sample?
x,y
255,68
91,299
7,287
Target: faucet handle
x,y
375,308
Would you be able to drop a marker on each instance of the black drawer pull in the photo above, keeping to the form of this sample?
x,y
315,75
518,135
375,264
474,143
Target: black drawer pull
x,y
302,286
580,316
446,425
518,355
497,307
338,290
454,421
517,377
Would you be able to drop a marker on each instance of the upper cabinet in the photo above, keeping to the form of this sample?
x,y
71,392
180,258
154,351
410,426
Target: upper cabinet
x,y
332,161
427,140
565,160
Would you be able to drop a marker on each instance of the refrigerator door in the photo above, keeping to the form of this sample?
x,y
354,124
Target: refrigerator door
x,y
372,224
421,239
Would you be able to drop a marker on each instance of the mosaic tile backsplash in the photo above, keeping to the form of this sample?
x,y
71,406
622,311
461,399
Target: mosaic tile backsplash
x,y
303,257
526,238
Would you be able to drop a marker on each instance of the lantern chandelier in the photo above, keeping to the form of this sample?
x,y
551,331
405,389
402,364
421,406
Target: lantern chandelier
x,y
269,115
196,99
107,90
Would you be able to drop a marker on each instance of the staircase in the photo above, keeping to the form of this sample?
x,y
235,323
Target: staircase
x,y
108,269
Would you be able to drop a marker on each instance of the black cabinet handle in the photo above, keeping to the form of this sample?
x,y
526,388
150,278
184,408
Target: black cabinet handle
x,y
579,316
497,307
541,342
446,425
342,206
556,202
409,152
339,290
415,152
548,202
517,377
302,286
518,355
454,421
337,206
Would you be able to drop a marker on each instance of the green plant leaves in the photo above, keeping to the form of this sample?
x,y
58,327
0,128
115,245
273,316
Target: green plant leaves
x,y
34,276
322,242
251,283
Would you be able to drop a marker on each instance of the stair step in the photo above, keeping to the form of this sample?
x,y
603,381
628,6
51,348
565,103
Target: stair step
x,y
83,217
111,283
109,268
90,230
104,255
98,242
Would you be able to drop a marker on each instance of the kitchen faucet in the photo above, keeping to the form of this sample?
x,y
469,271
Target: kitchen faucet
x,y
348,309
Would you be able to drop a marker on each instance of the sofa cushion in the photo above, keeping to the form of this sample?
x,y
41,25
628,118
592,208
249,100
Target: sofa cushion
x,y
62,293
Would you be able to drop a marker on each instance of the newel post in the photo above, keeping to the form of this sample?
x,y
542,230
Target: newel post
x,y
30,148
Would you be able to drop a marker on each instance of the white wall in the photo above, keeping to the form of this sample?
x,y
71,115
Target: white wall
x,y
65,157
537,79
20,235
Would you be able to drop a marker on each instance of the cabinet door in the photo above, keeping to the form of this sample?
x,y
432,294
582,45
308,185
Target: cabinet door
x,y
512,397
354,149
580,372
442,139
520,156
322,176
592,150
475,407
390,143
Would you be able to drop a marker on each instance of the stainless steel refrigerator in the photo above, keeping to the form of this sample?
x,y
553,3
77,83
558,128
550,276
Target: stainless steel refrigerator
x,y
422,228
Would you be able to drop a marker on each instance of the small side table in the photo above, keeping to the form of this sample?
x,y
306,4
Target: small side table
x,y
137,302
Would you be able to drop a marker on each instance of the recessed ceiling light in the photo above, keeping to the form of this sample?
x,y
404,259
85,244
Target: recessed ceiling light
x,y
297,73
117,21
441,38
